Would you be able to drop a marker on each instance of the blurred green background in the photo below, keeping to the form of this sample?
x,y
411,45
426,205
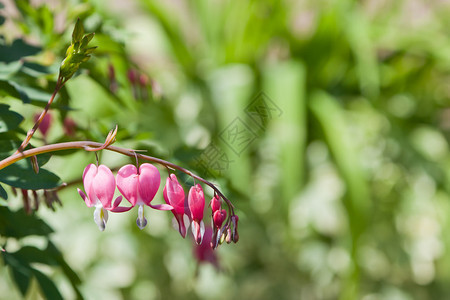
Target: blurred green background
x,y
326,123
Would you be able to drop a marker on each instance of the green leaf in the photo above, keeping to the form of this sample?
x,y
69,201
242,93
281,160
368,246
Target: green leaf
x,y
18,224
8,69
86,39
21,175
78,32
3,193
57,255
37,70
16,51
48,288
32,254
10,143
20,271
11,88
9,120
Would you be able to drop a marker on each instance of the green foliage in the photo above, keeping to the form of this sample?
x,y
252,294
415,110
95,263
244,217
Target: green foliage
x,y
343,193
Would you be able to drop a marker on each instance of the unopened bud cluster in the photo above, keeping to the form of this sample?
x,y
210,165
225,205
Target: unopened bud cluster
x,y
77,53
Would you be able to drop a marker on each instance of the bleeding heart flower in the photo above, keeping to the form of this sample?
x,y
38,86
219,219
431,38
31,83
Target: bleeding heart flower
x,y
215,203
174,195
218,217
99,184
139,188
196,201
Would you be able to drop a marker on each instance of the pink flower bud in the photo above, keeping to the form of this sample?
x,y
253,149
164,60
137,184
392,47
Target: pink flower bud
x,y
218,217
215,203
196,201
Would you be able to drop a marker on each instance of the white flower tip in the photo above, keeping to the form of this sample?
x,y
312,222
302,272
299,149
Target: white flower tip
x,y
186,220
141,222
198,230
100,217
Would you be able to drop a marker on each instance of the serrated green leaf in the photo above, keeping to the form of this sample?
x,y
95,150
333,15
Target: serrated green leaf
x,y
78,32
28,225
3,193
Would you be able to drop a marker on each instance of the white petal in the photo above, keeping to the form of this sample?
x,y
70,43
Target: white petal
x,y
193,226
202,230
141,221
186,221
100,217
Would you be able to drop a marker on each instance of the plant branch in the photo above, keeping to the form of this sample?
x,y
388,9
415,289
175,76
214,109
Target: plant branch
x,y
88,146
59,84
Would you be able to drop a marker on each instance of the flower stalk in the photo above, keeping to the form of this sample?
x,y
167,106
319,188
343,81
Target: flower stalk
x,y
89,146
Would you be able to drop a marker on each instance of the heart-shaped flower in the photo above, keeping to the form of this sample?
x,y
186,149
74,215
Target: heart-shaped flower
x,y
99,184
139,188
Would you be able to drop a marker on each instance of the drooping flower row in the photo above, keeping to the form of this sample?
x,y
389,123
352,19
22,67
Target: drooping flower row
x,y
139,187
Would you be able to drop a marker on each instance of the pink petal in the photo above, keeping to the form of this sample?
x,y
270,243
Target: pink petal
x,y
174,195
104,185
116,208
85,198
196,200
149,181
88,178
127,182
121,209
161,206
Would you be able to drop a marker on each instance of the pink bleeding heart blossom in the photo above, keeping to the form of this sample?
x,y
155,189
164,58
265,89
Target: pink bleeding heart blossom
x,y
174,195
99,184
196,201
139,188
215,203
218,217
